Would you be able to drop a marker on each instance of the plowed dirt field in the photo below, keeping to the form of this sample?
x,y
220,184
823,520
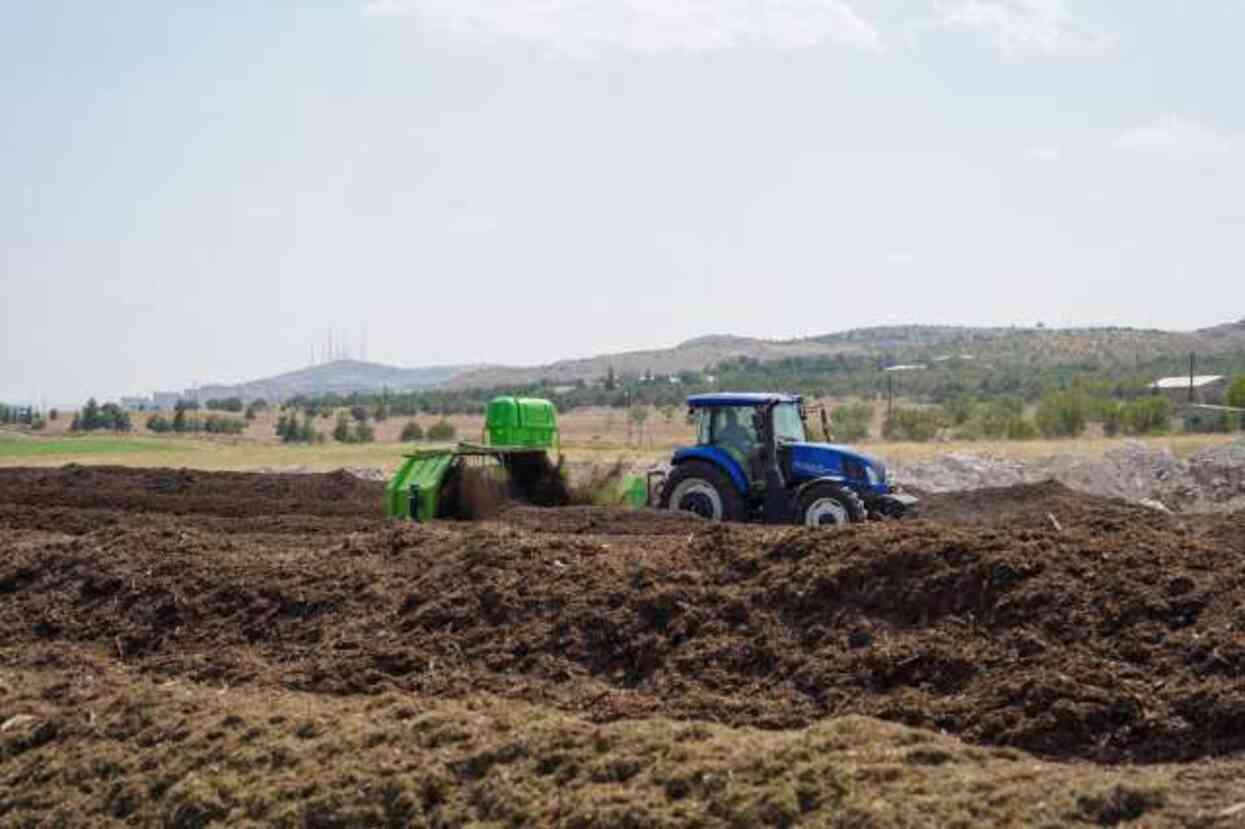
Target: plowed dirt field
x,y
183,648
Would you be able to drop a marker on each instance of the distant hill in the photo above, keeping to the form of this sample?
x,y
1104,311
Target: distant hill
x,y
1033,346
897,343
338,377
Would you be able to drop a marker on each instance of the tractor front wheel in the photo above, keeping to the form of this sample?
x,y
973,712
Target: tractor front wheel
x,y
703,489
827,505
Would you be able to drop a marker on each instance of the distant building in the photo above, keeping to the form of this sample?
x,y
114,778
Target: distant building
x,y
1206,388
136,404
165,399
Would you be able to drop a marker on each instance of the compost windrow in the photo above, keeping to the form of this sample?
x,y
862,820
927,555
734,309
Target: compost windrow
x,y
1032,617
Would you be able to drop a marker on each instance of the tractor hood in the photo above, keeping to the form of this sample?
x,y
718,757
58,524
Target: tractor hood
x,y
816,460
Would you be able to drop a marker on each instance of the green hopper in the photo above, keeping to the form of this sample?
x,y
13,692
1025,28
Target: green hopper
x,y
460,481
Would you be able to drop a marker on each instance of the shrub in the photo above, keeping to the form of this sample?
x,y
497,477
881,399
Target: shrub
x,y
1063,414
959,410
411,431
850,422
227,404
159,423
364,433
1147,416
1003,419
441,430
359,413
216,424
255,407
54,414
912,424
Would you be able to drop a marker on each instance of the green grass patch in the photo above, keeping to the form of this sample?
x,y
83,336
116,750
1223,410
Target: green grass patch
x,y
15,446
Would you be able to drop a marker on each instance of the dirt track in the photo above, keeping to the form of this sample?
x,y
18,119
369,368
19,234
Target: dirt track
x,y
1029,618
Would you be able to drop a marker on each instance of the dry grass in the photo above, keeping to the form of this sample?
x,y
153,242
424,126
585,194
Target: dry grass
x,y
589,436
88,742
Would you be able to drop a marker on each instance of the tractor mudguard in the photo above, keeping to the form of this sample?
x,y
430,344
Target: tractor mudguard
x,y
838,480
719,458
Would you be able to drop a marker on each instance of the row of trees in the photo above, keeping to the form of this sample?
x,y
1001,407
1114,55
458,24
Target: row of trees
x,y
290,430
183,423
95,417
1060,414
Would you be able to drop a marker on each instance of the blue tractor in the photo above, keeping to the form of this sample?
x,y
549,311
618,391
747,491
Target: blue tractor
x,y
753,462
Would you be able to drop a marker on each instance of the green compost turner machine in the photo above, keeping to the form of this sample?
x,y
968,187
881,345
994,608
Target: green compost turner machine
x,y
511,462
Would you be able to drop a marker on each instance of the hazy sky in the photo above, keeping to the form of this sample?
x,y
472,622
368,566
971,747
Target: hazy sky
x,y
197,196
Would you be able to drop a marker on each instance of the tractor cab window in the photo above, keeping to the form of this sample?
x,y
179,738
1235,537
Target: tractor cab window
x,y
788,425
733,430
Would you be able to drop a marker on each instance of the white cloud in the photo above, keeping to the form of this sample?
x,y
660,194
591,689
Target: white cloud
x,y
1042,153
585,28
1021,27
1174,137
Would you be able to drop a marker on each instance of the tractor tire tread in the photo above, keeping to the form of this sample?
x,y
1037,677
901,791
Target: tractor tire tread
x,y
855,506
732,504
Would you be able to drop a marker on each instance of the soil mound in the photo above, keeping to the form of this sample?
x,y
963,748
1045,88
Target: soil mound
x,y
1118,636
186,491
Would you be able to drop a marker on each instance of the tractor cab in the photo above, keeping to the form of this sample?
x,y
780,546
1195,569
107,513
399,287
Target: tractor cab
x,y
736,425
752,461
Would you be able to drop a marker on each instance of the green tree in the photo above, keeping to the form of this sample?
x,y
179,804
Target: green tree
x,y
611,380
1149,415
912,424
637,416
159,423
411,431
1063,414
364,433
179,418
89,417
1236,393
341,432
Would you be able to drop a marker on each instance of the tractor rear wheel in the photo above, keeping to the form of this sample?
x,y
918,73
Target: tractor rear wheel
x,y
827,505
703,489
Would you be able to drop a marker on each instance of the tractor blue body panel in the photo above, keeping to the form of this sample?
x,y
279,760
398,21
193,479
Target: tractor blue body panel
x,y
717,457
820,460
697,401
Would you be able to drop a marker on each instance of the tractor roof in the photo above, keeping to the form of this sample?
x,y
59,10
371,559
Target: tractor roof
x,y
737,398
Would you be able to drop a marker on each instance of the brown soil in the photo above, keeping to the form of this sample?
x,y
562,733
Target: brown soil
x,y
1116,636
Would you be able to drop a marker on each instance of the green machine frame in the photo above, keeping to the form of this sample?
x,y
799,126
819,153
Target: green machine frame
x,y
513,426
